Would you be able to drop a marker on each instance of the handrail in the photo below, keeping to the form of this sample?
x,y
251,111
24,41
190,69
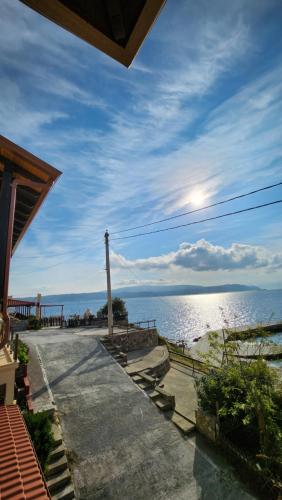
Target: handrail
x,y
131,327
196,363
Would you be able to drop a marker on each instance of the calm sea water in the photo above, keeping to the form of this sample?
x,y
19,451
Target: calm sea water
x,y
184,317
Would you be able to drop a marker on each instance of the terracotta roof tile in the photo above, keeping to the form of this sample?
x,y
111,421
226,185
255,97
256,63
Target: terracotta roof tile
x,y
20,475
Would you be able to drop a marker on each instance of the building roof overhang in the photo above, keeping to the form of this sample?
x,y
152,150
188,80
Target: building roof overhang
x,y
34,179
21,476
116,27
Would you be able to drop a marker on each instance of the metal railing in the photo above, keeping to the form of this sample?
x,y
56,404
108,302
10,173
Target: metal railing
x,y
52,321
131,327
194,364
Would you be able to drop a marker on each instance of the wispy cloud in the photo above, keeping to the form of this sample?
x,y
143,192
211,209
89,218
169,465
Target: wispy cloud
x,y
17,120
200,107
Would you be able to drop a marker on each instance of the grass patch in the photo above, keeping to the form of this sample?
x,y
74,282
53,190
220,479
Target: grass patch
x,y
251,333
39,426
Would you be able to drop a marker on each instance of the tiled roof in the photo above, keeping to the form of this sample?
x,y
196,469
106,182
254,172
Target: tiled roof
x,y
20,475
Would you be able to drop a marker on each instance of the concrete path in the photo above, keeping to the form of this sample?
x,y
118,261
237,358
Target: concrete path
x,y
120,446
180,382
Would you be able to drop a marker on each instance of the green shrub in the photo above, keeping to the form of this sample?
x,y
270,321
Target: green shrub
x,y
23,351
34,323
245,397
119,309
39,428
23,357
249,334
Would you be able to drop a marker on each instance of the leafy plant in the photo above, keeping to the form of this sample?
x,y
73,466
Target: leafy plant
x,y
23,351
40,430
34,323
246,397
119,309
23,357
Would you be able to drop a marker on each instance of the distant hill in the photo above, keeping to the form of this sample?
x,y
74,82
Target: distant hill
x,y
147,291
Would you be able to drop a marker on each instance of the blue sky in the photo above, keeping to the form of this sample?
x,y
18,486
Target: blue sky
x,y
199,111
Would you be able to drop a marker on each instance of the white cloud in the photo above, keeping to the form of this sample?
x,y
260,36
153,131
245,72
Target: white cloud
x,y
167,128
17,120
204,256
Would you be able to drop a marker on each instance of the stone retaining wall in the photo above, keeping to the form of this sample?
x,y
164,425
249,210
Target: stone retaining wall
x,y
162,368
207,425
135,339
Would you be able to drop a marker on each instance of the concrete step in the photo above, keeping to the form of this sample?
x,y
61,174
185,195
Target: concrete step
x,y
65,493
153,395
118,357
59,465
58,481
166,395
57,435
58,452
112,351
144,385
136,378
182,423
163,405
148,378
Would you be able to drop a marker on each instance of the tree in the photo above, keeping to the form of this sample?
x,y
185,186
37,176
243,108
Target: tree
x,y
119,309
246,396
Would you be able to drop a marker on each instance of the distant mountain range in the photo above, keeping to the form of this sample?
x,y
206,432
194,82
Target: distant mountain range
x,y
146,291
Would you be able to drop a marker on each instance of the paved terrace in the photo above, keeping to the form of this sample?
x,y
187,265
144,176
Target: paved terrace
x,y
120,446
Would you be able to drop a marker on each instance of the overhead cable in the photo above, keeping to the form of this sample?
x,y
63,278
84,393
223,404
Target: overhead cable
x,y
198,221
237,197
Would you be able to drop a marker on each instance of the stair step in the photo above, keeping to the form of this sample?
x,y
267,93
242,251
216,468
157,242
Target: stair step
x,y
56,483
58,452
65,493
150,380
137,378
182,423
153,395
166,395
58,466
57,435
144,385
123,363
163,405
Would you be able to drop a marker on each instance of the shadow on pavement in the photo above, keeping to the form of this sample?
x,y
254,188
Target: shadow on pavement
x,y
68,372
216,479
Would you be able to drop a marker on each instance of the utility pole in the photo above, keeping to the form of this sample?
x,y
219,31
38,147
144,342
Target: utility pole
x,y
109,288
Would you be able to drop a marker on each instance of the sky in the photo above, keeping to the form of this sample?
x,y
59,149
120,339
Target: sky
x,y
196,119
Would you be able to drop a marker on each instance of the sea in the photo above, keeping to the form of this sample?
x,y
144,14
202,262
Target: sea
x,y
184,317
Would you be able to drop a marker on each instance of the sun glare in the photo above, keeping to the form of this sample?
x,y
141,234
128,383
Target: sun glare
x,y
197,197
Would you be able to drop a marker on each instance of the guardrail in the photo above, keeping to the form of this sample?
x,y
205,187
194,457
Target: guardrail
x,y
131,327
52,321
196,365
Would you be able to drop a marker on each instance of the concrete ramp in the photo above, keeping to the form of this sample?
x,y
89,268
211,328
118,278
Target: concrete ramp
x,y
119,445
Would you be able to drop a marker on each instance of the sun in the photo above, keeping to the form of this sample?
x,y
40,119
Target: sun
x,y
197,197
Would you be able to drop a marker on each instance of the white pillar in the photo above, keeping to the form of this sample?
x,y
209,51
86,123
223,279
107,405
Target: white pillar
x,y
38,300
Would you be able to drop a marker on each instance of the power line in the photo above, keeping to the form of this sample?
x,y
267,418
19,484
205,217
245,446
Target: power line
x,y
200,209
199,221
